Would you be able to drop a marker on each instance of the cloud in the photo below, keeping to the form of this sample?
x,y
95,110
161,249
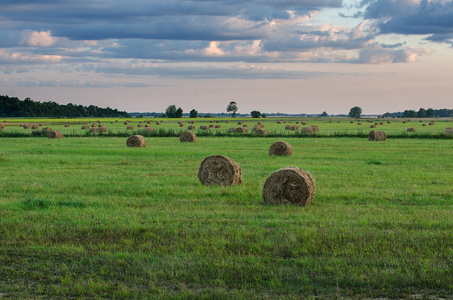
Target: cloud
x,y
419,17
37,38
12,57
382,55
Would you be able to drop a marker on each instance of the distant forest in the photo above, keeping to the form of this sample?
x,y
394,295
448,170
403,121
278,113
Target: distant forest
x,y
14,107
422,113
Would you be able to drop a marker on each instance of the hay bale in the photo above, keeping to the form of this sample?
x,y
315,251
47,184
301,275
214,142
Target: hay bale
x,y
211,125
140,125
424,124
130,128
294,127
103,129
381,123
306,130
41,124
315,128
219,170
94,125
232,129
46,130
372,126
148,130
94,130
227,121
261,131
279,122
281,148
182,125
54,135
136,141
218,126
289,185
448,131
431,123
377,136
147,126
26,126
187,137
411,129
85,127
304,123
191,127
359,123
67,125
34,127
203,127
126,123
256,127
241,130
287,127
245,125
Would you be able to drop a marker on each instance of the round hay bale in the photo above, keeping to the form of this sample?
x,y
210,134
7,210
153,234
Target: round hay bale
x,y
94,125
126,123
411,129
67,125
359,123
261,131
245,125
424,124
147,126
377,136
187,137
94,130
203,127
431,123
140,125
227,121
372,126
287,127
315,128
218,126
279,122
448,131
352,122
41,124
130,128
306,130
211,125
219,170
281,148
45,130
381,123
103,129
289,185
54,135
34,127
182,125
232,129
304,123
26,126
148,130
158,123
241,130
136,141
85,127
191,127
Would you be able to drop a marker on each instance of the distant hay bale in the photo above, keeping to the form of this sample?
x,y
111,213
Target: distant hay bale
x,y
46,130
381,123
448,131
287,127
297,122
389,122
218,126
191,127
261,131
85,127
232,129
219,170
352,122
377,136
211,125
359,123
182,125
130,128
126,123
217,121
372,126
411,129
94,125
304,123
279,122
240,122
338,121
256,127
376,123
241,130
227,121
41,124
147,125
158,123
54,135
148,130
306,130
431,123
34,127
245,125
187,137
424,124
67,125
203,127
26,126
140,125
281,148
103,129
136,141
94,130
289,185
112,122
315,128
294,127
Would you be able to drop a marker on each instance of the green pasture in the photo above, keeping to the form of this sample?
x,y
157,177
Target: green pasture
x,y
327,126
91,218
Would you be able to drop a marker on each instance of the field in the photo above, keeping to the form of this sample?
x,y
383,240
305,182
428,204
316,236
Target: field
x,y
86,217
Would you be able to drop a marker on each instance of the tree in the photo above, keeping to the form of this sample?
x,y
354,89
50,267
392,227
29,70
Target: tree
x,y
178,113
430,113
232,107
324,114
255,114
421,113
355,112
58,113
409,114
193,113
170,111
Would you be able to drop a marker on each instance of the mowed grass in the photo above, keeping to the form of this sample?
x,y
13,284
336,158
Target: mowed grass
x,y
327,126
89,217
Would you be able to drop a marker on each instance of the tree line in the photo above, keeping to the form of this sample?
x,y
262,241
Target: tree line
x,y
422,113
14,107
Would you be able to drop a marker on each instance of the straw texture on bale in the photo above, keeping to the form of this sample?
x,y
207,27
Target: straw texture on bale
x,y
412,129
85,127
94,130
359,123
149,130
281,148
232,129
34,127
241,130
203,127
377,136
261,131
315,128
294,127
218,126
448,131
140,125
289,185
130,128
306,130
187,137
182,125
191,127
424,124
103,129
372,126
136,141
288,127
54,135
45,130
67,125
219,170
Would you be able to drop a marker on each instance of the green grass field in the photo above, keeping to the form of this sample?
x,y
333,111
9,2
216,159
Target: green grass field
x,y
89,217
170,127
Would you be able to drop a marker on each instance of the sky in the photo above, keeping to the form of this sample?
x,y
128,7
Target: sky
x,y
288,56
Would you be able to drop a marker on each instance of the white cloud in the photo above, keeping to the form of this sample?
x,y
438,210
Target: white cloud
x,y
37,38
